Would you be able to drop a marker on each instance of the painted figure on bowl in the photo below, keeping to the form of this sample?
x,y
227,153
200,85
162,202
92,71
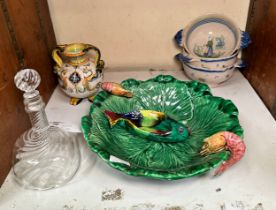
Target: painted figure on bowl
x,y
214,48
209,51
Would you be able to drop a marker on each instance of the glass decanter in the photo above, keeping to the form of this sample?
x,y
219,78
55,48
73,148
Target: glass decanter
x,y
45,156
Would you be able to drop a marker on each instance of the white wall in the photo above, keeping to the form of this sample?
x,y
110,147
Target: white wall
x,y
135,32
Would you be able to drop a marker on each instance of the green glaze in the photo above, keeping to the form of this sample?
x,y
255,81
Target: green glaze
x,y
177,131
188,102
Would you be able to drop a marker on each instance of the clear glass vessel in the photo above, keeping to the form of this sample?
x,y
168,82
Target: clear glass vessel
x,y
45,156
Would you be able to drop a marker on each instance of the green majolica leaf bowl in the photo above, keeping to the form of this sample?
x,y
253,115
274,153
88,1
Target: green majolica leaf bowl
x,y
188,102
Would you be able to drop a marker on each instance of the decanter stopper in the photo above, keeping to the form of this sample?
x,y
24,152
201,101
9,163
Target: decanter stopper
x,y
44,156
27,80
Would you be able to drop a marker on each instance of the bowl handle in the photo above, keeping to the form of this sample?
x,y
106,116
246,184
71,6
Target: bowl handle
x,y
185,58
182,58
178,38
245,39
240,64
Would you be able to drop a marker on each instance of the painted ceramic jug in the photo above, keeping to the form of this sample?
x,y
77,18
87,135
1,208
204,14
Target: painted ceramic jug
x,y
79,69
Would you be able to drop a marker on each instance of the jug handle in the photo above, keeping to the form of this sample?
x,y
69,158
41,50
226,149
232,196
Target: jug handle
x,y
56,56
98,60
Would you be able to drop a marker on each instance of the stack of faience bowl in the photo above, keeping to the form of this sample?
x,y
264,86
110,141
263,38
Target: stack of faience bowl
x,y
210,48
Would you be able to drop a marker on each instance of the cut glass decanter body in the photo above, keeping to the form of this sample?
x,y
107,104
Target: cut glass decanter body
x,y
45,156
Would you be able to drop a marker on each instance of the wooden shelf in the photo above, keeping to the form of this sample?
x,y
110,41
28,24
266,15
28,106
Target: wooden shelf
x,y
249,185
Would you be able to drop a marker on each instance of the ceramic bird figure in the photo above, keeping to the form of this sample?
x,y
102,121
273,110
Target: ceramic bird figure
x,y
116,89
150,125
224,140
142,118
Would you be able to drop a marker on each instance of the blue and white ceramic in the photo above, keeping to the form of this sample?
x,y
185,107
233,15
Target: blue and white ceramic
x,y
207,63
210,48
212,36
213,77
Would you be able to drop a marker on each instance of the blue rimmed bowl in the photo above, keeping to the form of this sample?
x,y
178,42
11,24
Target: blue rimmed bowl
x,y
211,37
215,63
211,76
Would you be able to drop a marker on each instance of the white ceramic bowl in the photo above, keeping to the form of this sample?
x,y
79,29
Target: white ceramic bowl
x,y
212,36
207,63
213,77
